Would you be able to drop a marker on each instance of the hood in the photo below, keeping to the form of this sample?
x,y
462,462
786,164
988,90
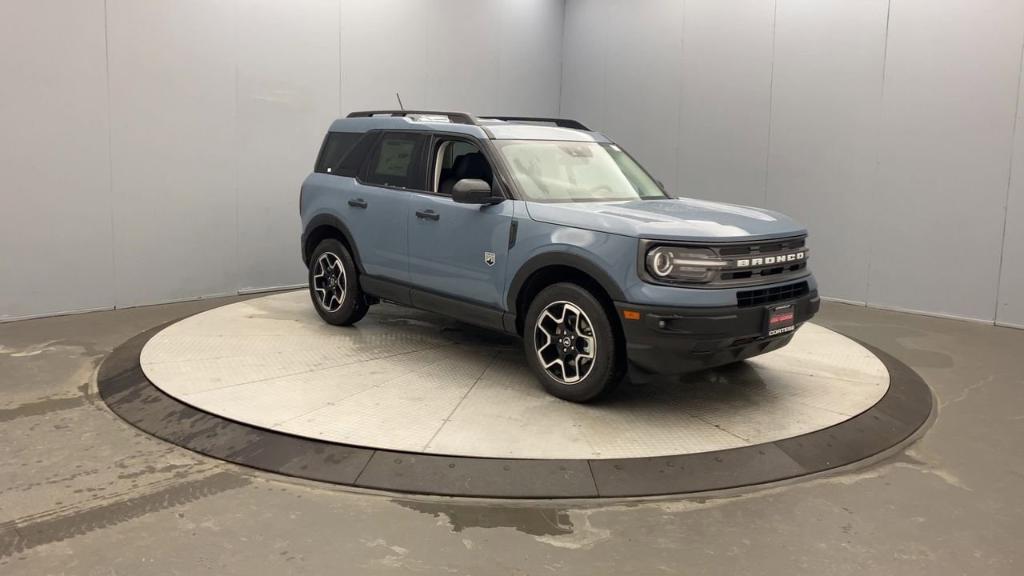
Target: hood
x,y
670,219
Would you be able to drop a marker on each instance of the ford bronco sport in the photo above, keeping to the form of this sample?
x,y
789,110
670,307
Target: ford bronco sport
x,y
543,228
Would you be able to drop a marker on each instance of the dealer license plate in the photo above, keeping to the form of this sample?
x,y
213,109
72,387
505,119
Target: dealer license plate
x,y
781,319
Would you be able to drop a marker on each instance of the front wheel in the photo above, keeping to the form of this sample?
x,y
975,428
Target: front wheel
x,y
570,344
334,285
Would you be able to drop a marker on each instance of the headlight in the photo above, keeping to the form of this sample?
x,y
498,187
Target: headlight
x,y
681,264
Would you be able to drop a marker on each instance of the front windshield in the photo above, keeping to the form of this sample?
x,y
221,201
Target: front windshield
x,y
558,171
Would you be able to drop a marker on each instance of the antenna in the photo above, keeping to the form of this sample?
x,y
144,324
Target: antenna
x,y
399,96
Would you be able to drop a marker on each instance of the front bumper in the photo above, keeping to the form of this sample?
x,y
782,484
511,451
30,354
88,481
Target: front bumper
x,y
673,340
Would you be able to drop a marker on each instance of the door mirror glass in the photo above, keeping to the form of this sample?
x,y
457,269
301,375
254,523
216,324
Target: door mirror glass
x,y
474,191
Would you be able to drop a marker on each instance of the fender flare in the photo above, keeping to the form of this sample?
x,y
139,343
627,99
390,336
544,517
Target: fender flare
x,y
569,259
326,220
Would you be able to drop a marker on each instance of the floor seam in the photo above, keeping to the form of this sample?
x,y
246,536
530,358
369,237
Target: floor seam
x,y
729,432
461,400
593,478
354,394
290,374
365,466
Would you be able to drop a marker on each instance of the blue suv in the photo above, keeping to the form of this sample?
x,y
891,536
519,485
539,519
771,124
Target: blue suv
x,y
543,228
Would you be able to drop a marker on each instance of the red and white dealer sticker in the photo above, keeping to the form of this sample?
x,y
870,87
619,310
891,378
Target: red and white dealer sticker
x,y
781,319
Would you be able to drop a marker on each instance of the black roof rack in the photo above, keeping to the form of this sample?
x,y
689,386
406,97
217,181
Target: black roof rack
x,y
463,118
560,122
455,117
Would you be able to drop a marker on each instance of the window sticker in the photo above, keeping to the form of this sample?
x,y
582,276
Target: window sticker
x,y
395,157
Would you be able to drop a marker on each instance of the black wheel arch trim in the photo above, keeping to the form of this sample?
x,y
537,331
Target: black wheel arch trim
x,y
567,259
329,221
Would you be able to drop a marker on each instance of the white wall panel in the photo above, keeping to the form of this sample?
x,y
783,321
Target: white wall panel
x,y
643,83
1011,286
948,109
500,57
383,51
726,91
826,107
530,64
585,51
217,109
173,123
55,245
287,96
187,187
462,68
622,76
895,175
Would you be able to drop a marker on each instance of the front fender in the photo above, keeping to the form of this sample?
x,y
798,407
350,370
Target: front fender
x,y
607,258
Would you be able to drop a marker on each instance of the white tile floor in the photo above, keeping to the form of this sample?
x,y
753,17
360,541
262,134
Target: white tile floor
x,y
408,380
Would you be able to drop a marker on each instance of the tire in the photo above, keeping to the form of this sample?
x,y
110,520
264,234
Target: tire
x,y
574,360
341,302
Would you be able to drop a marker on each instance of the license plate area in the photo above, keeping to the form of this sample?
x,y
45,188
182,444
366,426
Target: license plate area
x,y
780,319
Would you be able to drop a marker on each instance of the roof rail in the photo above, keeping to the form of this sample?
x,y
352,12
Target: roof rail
x,y
454,117
560,122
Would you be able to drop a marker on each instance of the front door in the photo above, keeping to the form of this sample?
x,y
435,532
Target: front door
x,y
458,250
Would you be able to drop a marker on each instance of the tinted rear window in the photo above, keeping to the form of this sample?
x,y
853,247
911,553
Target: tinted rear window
x,y
336,145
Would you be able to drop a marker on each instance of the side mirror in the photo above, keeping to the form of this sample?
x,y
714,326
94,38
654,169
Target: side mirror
x,y
474,191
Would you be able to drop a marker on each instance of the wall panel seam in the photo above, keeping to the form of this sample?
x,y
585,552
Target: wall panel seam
x,y
771,106
561,61
110,159
1009,181
341,104
876,176
237,283
680,96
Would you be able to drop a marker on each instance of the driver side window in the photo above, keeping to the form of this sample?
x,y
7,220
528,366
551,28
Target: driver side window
x,y
455,160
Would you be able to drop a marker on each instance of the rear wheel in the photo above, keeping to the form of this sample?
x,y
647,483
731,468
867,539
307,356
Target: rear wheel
x,y
334,285
570,343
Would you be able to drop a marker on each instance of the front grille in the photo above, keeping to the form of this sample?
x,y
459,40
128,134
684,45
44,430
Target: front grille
x,y
750,298
765,272
767,247
734,275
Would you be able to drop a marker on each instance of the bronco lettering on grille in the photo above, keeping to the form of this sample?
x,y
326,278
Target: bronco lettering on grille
x,y
770,260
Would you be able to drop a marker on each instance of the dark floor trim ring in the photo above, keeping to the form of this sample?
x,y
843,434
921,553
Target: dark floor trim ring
x,y
903,410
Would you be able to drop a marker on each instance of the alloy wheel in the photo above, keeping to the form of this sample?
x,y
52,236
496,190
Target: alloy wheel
x,y
565,342
329,281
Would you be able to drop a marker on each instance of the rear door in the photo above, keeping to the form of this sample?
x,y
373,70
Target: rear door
x,y
378,202
458,250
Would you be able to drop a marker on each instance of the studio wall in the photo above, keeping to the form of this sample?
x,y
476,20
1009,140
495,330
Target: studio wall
x,y
153,151
56,250
886,126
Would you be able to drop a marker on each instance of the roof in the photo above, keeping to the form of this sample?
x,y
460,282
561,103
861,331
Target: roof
x,y
488,127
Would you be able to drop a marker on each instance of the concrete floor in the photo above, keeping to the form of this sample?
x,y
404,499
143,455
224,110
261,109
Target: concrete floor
x,y
81,492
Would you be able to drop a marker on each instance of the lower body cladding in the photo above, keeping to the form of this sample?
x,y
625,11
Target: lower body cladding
x,y
672,340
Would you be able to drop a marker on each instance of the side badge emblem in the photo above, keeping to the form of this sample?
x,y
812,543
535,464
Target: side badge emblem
x,y
489,258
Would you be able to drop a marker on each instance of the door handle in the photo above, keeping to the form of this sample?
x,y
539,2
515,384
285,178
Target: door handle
x,y
358,203
428,215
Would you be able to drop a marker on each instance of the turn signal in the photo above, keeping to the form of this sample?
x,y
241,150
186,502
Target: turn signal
x,y
630,314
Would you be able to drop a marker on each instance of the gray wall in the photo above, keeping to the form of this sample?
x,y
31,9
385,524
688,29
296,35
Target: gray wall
x,y
152,151
888,127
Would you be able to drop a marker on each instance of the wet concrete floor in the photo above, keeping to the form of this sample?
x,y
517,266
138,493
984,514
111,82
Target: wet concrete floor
x,y
81,492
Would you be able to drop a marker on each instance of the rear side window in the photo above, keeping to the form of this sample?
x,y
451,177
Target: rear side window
x,y
353,161
397,160
336,145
